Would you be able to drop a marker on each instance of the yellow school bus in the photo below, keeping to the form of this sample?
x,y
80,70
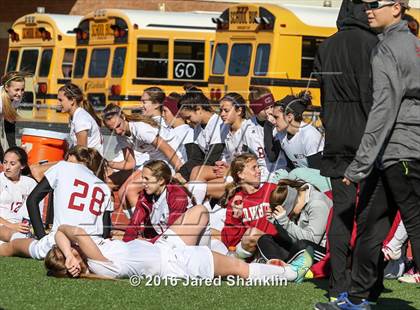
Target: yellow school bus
x,y
269,45
122,52
41,45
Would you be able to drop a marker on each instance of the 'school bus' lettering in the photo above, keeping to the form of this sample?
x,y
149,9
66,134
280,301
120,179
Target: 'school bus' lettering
x,y
243,15
101,31
31,33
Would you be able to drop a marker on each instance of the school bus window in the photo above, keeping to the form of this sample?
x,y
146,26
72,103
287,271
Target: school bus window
x,y
189,60
29,61
67,65
240,58
99,62
220,55
13,59
309,47
44,68
118,62
79,66
262,59
152,58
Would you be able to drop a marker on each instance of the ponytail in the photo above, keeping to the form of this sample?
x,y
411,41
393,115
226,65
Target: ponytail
x,y
296,105
73,92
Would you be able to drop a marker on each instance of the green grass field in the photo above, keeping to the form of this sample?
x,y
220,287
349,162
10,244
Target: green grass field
x,y
24,285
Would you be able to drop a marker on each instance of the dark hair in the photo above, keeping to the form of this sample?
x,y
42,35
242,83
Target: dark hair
x,y
22,157
278,195
193,99
160,170
112,110
237,101
156,94
256,92
295,105
411,19
175,96
73,92
91,158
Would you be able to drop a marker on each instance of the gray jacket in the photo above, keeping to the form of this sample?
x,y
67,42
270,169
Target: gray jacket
x,y
312,221
392,131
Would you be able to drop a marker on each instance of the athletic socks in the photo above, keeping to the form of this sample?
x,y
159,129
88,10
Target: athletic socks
x,y
205,237
198,190
241,252
263,271
399,238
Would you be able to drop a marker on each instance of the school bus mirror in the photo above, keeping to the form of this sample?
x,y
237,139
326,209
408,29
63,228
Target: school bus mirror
x,y
13,35
221,24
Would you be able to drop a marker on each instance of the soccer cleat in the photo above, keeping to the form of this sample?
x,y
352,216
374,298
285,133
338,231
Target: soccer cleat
x,y
342,303
309,274
301,263
410,278
391,254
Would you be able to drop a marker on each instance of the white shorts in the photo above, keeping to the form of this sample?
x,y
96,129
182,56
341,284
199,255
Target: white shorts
x,y
16,235
192,262
170,239
217,217
38,249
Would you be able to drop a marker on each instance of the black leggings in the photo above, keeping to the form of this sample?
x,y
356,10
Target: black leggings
x,y
283,247
10,130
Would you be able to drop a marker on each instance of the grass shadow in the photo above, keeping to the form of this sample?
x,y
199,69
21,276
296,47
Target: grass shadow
x,y
393,303
321,284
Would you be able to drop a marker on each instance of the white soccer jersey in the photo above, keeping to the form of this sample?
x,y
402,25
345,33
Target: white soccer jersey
x,y
80,198
142,258
13,198
126,259
160,121
281,162
81,121
306,142
213,133
183,134
142,137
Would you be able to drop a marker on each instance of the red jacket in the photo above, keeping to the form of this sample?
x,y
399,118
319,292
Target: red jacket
x,y
253,215
177,202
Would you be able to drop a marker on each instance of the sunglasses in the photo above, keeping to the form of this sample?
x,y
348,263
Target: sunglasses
x,y
378,5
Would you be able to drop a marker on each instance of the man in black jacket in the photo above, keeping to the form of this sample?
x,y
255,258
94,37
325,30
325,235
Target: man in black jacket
x,y
343,69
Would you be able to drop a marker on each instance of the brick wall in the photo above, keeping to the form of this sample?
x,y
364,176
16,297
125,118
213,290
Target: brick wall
x,y
84,6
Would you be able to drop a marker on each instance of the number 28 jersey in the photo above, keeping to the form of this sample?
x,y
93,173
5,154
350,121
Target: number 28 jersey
x,y
80,198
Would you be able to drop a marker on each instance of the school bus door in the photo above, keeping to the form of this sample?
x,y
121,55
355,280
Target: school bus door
x,y
238,69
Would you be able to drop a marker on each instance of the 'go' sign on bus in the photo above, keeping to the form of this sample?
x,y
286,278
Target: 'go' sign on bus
x,y
188,70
